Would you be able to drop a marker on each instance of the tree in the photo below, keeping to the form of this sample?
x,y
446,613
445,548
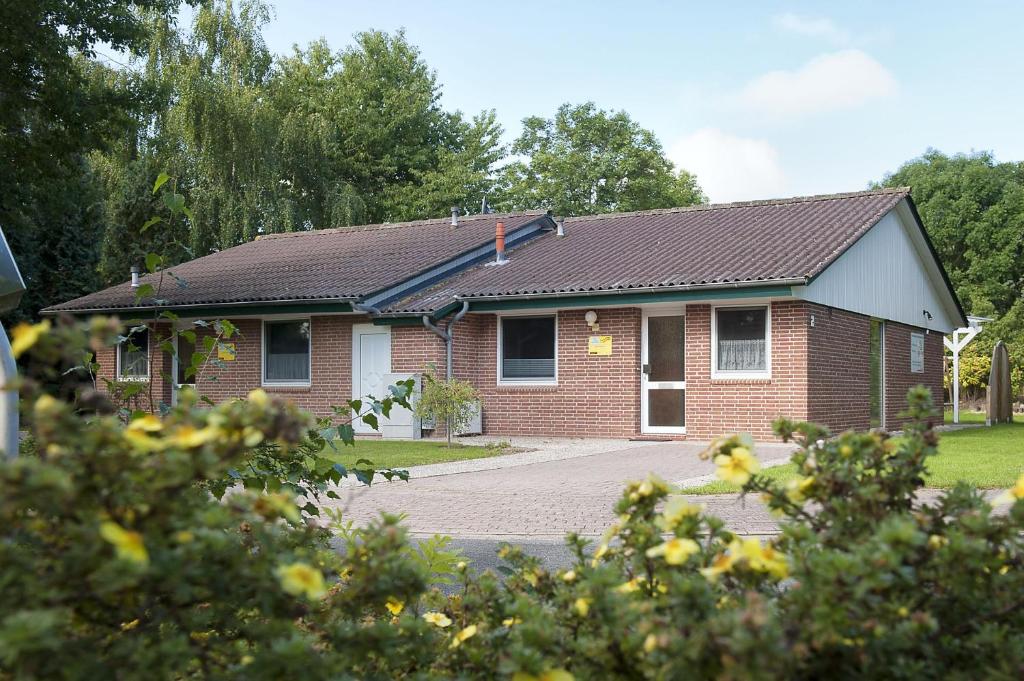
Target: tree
x,y
57,104
973,210
586,161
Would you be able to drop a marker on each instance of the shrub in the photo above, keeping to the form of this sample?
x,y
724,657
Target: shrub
x,y
116,562
451,402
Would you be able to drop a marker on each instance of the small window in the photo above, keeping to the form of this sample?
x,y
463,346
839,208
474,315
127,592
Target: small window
x,y
741,342
133,355
527,349
917,353
286,352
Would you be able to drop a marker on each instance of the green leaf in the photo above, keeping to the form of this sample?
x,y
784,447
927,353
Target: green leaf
x,y
153,261
150,222
188,213
161,179
144,290
371,420
175,202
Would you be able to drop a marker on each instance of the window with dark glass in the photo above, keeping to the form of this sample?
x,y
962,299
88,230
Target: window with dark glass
x,y
741,335
186,350
528,349
133,355
286,352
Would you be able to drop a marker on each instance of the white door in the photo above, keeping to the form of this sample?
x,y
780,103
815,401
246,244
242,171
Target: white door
x,y
180,361
371,362
663,377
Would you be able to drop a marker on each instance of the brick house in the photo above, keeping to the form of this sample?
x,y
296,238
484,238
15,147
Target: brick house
x,y
687,322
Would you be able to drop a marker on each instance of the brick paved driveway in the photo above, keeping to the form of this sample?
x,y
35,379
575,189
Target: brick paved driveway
x,y
545,499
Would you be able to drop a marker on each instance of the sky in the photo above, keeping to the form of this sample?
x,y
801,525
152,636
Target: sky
x,y
758,99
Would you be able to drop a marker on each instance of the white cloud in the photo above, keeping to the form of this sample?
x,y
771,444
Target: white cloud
x,y
828,82
813,27
728,167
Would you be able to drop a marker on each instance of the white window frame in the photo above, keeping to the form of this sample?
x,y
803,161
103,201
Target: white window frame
x,y
717,374
913,336
149,360
264,337
525,381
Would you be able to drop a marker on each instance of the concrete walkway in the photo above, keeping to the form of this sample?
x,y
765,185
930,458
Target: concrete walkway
x,y
563,486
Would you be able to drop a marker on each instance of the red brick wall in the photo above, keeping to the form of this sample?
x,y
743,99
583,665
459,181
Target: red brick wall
x,y
596,396
159,371
839,371
721,406
898,377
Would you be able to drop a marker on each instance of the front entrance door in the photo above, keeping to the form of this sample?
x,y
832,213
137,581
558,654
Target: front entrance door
x,y
181,362
371,361
663,379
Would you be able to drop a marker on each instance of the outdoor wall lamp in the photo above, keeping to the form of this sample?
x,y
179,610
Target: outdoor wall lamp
x,y
591,319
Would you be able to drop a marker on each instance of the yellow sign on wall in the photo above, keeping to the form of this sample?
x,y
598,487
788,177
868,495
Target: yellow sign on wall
x,y
226,351
599,345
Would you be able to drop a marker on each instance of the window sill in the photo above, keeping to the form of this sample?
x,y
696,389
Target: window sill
x,y
528,385
741,380
287,387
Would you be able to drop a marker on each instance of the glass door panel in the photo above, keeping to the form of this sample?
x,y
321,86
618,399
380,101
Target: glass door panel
x,y
663,378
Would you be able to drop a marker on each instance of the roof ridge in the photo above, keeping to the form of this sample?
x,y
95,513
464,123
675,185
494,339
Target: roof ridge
x,y
399,225
747,204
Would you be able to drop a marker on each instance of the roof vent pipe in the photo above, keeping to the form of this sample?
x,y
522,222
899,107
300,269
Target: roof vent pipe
x,y
135,276
560,226
455,216
499,243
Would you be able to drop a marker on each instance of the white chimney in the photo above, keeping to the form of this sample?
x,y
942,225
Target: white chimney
x,y
560,226
135,276
455,216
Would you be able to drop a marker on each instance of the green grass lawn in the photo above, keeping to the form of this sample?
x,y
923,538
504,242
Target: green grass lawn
x,y
989,458
403,453
966,416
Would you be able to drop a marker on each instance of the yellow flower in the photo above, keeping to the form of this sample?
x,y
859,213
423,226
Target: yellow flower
x,y
300,579
569,576
582,606
190,437
676,550
936,542
277,504
259,397
184,537
147,423
128,626
26,335
394,605
438,619
737,466
796,490
46,407
762,558
549,675
462,636
845,450
143,442
129,545
676,509
720,565
1013,494
650,643
509,621
599,554
629,587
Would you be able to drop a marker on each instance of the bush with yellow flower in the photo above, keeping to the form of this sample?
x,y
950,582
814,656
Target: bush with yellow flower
x,y
116,561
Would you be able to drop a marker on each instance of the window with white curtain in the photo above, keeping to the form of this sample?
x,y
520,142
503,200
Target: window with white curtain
x,y
286,351
133,355
741,342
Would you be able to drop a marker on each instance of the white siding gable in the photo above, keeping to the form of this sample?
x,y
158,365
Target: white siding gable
x,y
888,273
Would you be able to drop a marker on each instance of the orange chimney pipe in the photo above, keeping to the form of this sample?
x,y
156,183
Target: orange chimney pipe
x,y
499,241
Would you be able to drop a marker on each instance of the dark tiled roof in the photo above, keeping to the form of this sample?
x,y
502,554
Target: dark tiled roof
x,y
701,245
330,264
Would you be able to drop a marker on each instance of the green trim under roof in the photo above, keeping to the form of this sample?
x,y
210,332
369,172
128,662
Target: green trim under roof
x,y
628,298
228,311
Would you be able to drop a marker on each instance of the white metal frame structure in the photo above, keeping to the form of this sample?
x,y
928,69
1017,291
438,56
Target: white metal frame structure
x,y
959,340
